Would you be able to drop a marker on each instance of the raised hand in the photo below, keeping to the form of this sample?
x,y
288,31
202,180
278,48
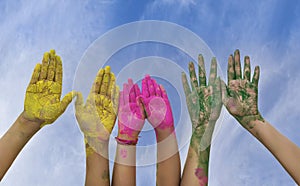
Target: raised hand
x,y
131,117
204,104
43,102
157,105
240,96
97,116
203,101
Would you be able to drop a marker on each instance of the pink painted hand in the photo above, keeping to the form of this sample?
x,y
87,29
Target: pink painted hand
x,y
131,117
157,105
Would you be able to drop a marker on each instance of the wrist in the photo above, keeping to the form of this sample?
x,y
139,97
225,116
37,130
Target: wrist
x,y
28,126
162,133
127,135
95,145
249,122
258,128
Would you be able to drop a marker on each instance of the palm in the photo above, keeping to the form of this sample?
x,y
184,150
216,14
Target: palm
x,y
240,97
96,120
243,98
97,116
204,105
131,116
42,100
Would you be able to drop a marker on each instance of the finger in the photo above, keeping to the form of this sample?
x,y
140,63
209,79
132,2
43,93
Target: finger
x,y
230,69
256,76
105,81
97,82
58,70
116,98
156,88
137,90
140,104
52,66
186,88
145,91
111,85
225,95
164,94
79,100
151,87
237,64
126,93
218,84
201,71
132,96
36,73
66,101
247,68
213,71
193,76
130,82
121,98
44,67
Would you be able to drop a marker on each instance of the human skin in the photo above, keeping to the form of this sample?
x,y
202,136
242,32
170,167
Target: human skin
x,y
131,120
204,105
240,99
159,114
42,106
96,119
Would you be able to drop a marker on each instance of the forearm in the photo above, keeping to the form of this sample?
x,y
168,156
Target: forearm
x,y
124,172
196,167
285,151
14,140
97,166
168,160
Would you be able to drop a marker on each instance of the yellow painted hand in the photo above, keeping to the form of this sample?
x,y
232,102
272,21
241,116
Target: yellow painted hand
x,y
97,116
42,100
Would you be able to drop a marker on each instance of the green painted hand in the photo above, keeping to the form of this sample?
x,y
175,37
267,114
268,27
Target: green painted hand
x,y
204,102
240,96
42,100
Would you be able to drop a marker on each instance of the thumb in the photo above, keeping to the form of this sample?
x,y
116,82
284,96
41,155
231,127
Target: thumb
x,y
224,93
66,100
79,99
141,105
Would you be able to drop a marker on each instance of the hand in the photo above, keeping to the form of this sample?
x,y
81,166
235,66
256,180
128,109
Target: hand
x,y
42,100
204,102
98,115
240,97
156,103
131,117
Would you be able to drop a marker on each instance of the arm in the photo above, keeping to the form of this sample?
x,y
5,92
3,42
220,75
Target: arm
x,y
204,105
240,99
14,140
96,119
124,168
167,166
42,106
285,151
97,167
131,120
159,114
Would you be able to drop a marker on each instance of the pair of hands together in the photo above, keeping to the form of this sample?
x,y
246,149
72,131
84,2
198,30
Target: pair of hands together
x,y
104,103
205,100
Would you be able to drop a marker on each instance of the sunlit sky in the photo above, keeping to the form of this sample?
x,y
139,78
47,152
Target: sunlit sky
x,y
268,31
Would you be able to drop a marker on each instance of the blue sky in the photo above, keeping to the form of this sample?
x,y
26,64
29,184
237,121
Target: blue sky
x,y
268,31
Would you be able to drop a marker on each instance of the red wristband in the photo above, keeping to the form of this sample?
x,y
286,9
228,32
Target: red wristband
x,y
126,142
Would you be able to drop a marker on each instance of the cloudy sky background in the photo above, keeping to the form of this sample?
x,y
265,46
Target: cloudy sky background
x,y
268,31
